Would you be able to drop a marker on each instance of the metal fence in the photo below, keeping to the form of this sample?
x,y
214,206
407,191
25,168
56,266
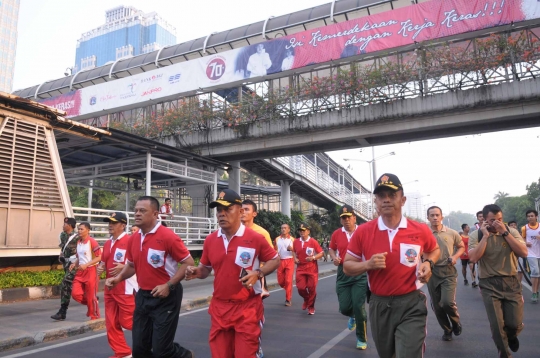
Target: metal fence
x,y
192,230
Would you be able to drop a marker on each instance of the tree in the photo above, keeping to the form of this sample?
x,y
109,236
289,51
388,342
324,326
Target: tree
x,y
272,221
455,219
500,196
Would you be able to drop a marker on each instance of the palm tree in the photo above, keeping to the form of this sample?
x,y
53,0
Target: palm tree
x,y
500,195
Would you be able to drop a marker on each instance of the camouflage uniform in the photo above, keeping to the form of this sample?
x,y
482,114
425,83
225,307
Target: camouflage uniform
x,y
67,282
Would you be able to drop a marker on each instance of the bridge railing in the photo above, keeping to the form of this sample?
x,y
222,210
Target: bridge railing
x,y
192,230
353,194
428,69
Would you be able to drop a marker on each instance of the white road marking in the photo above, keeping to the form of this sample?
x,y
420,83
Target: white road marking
x,y
103,334
525,284
330,344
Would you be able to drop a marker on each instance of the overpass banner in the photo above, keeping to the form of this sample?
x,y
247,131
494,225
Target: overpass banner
x,y
405,26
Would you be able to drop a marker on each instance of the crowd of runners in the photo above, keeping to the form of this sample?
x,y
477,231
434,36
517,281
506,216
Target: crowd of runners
x,y
383,262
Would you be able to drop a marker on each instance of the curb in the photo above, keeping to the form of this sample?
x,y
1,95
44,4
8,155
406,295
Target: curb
x,y
95,325
34,293
52,335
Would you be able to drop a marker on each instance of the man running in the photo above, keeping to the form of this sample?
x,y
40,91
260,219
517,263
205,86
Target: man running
x,y
531,234
306,252
465,257
234,252
68,252
442,285
351,291
159,258
119,301
285,272
85,281
389,249
496,250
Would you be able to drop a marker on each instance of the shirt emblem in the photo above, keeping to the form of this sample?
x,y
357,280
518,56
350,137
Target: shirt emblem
x,y
245,257
410,255
155,258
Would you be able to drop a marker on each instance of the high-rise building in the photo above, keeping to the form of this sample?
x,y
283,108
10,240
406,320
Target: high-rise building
x,y
126,32
9,16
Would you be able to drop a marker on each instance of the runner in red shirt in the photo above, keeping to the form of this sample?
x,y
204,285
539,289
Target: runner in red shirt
x,y
119,301
234,252
85,282
154,254
389,250
465,257
306,252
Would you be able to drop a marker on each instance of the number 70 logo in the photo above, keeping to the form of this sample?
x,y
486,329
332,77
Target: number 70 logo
x,y
215,69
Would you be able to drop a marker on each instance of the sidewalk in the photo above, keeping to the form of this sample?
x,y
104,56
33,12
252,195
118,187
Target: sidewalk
x,y
28,323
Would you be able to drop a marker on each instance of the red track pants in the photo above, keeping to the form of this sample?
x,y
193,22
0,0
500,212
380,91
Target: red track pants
x,y
85,289
236,328
285,276
306,282
119,314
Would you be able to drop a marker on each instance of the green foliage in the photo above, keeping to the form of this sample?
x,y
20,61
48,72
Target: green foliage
x,y
456,218
101,199
322,226
272,221
31,278
514,207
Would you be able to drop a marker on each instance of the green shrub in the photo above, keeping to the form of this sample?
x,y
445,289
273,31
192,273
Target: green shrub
x,y
31,278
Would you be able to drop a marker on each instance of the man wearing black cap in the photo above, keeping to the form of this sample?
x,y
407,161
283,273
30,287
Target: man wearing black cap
x,y
68,246
119,301
154,254
306,252
389,249
351,291
234,253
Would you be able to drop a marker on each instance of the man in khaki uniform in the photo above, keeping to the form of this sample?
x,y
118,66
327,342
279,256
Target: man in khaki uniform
x,y
496,249
442,286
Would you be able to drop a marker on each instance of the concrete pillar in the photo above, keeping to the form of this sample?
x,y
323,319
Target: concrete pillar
x,y
286,198
148,174
234,177
199,207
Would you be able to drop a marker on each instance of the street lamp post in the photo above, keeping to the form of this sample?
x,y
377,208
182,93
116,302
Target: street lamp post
x,y
372,169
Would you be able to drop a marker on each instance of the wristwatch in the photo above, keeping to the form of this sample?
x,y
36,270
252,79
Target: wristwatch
x,y
171,286
505,234
431,264
260,274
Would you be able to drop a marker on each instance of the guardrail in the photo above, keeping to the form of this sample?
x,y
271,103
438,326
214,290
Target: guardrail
x,y
192,230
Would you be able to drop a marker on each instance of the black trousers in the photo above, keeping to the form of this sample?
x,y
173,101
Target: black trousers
x,y
154,325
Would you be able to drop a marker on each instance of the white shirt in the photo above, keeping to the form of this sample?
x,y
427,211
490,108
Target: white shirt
x,y
532,236
258,64
282,245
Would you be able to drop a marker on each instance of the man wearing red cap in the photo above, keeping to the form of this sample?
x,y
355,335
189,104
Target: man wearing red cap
x,y
351,291
234,252
389,249
119,301
306,252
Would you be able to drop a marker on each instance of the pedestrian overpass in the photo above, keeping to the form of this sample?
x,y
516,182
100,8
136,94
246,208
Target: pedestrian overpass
x,y
454,83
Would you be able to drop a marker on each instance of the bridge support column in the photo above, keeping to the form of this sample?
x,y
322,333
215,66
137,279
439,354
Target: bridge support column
x,y
234,177
286,198
148,189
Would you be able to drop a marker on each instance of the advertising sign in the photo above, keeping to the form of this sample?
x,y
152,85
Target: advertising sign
x,y
405,26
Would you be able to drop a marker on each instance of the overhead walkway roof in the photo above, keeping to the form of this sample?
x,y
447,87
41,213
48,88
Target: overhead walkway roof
x,y
273,27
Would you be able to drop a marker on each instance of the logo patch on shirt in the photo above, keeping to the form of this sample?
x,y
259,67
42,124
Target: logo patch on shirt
x,y
155,259
244,256
410,255
309,251
118,256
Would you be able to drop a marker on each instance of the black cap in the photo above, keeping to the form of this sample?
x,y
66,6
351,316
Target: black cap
x,y
226,197
390,181
117,217
304,226
346,210
71,222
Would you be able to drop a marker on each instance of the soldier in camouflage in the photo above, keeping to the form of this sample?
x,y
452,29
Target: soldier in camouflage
x,y
68,247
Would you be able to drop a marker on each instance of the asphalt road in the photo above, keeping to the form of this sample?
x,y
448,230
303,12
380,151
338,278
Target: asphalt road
x,y
290,332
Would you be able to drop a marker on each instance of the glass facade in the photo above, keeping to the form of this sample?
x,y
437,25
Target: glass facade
x,y
9,16
126,32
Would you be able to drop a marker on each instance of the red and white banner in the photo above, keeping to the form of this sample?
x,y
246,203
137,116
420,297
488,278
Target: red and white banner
x,y
405,26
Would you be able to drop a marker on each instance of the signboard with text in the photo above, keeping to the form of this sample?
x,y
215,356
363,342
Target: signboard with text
x,y
405,26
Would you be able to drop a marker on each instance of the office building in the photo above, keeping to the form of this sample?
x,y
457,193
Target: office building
x,y
9,16
126,32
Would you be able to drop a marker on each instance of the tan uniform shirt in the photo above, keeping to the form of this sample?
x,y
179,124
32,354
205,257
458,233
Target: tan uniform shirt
x,y
263,232
448,240
498,259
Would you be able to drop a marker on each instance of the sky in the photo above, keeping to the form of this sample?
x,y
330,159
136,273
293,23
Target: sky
x,y
459,173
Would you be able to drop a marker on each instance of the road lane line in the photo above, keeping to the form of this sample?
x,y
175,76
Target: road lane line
x,y
330,344
103,334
